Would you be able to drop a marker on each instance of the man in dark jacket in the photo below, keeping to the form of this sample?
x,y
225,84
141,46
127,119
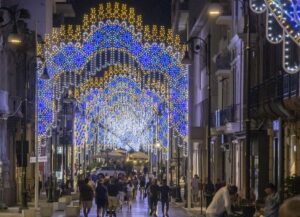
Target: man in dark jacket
x,y
154,194
101,198
165,197
86,195
113,190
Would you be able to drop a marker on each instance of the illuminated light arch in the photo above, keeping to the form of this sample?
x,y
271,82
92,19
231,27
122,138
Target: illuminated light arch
x,y
119,95
111,46
282,25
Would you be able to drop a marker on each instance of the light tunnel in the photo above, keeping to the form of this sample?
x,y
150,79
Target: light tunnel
x,y
127,79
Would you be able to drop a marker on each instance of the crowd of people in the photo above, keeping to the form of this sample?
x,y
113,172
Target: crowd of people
x,y
111,194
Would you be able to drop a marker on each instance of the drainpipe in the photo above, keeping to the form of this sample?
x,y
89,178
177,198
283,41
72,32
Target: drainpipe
x,y
280,155
248,118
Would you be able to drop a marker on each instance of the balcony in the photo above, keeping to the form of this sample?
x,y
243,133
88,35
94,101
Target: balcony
x,y
225,120
290,85
275,97
223,61
290,93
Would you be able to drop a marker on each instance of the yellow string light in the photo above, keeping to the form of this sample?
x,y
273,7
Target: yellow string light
x,y
162,33
124,12
101,14
147,33
55,36
70,33
85,25
177,44
154,33
47,40
116,12
139,23
39,49
62,32
109,13
131,17
123,69
170,36
93,16
77,34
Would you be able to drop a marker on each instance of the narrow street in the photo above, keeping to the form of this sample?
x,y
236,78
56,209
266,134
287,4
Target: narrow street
x,y
139,209
198,100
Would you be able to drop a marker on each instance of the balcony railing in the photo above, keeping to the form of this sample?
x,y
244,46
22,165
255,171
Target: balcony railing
x,y
224,116
223,60
270,90
277,88
290,85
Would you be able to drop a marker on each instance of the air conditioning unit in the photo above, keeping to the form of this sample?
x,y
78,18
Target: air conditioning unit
x,y
4,108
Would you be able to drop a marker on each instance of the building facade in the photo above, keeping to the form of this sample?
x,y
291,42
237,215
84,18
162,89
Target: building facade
x,y
17,91
247,83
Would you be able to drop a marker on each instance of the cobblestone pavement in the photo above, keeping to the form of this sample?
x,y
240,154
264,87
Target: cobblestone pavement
x,y
139,209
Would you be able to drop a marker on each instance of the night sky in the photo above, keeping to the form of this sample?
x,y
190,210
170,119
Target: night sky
x,y
153,11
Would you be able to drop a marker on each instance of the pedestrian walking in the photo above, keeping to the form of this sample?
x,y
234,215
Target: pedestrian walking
x,y
130,194
142,186
122,192
195,187
135,184
47,186
165,198
113,190
153,195
101,198
272,201
86,195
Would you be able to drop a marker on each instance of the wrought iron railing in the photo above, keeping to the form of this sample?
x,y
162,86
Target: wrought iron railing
x,y
225,115
277,88
290,85
223,60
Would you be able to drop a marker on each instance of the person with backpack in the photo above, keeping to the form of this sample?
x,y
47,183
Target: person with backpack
x,y
86,195
130,194
101,198
165,198
153,196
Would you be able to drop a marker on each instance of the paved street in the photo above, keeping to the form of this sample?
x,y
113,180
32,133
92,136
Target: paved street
x,y
139,209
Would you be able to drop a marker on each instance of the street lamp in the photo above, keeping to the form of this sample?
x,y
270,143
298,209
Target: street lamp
x,y
14,37
24,147
178,189
246,8
187,60
214,9
27,86
13,17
